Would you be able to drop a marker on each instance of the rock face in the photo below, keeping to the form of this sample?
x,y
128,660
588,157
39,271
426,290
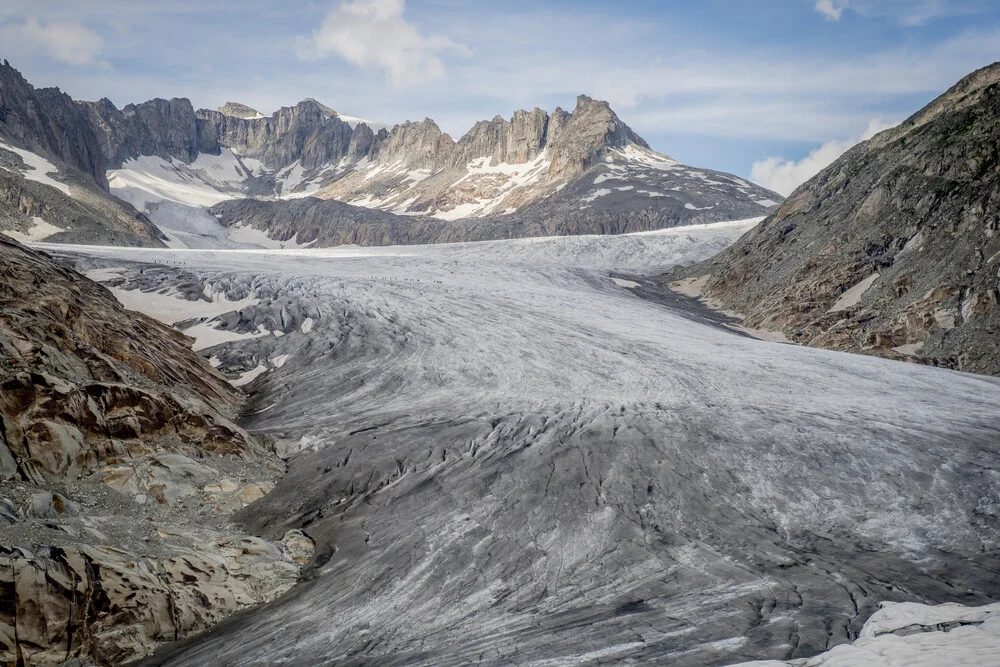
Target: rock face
x,y
44,130
237,110
49,122
166,128
308,134
121,465
893,250
558,163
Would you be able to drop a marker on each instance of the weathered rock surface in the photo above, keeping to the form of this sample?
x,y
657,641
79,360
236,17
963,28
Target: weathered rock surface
x,y
121,467
238,110
88,215
892,250
49,122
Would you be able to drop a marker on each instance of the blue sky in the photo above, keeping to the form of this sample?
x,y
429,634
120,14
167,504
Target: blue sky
x,y
724,84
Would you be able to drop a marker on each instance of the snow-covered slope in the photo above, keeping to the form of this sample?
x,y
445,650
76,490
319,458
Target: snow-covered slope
x,y
41,200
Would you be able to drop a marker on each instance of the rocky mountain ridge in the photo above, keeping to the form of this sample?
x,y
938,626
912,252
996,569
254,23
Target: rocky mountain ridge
x,y
171,161
892,250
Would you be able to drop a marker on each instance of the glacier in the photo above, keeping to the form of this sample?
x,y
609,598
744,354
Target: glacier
x,y
507,456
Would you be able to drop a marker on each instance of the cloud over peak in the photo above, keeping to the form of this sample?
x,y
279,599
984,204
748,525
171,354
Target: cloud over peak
x,y
375,33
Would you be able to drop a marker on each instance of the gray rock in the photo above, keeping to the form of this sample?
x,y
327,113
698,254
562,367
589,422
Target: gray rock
x,y
52,505
914,209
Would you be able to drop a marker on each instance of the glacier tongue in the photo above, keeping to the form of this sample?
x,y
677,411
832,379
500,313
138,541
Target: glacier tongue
x,y
504,457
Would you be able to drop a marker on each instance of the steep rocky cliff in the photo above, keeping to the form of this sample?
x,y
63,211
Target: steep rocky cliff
x,y
121,466
893,250
49,122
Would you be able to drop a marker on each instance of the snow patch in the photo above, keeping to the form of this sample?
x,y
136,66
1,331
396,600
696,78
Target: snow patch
x,y
909,634
172,307
38,168
39,231
249,376
245,234
851,297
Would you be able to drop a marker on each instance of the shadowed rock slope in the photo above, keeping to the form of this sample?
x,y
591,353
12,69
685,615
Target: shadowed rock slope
x,y
120,465
52,172
892,250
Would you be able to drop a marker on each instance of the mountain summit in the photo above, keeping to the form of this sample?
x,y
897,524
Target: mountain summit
x,y
535,173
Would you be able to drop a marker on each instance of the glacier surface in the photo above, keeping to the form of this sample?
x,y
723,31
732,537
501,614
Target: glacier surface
x,y
507,458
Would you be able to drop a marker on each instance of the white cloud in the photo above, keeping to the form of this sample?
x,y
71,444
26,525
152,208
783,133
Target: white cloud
x,y
374,33
67,42
783,176
830,9
905,12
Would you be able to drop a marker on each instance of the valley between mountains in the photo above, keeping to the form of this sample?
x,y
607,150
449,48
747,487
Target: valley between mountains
x,y
303,389
497,448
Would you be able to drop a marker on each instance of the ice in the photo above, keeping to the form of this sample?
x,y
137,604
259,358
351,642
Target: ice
x,y
39,231
510,459
770,203
105,274
38,168
930,636
172,307
207,335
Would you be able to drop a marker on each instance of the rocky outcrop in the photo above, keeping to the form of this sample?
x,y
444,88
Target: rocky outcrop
x,y
516,141
584,136
892,250
121,465
238,110
107,606
308,133
166,128
49,122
